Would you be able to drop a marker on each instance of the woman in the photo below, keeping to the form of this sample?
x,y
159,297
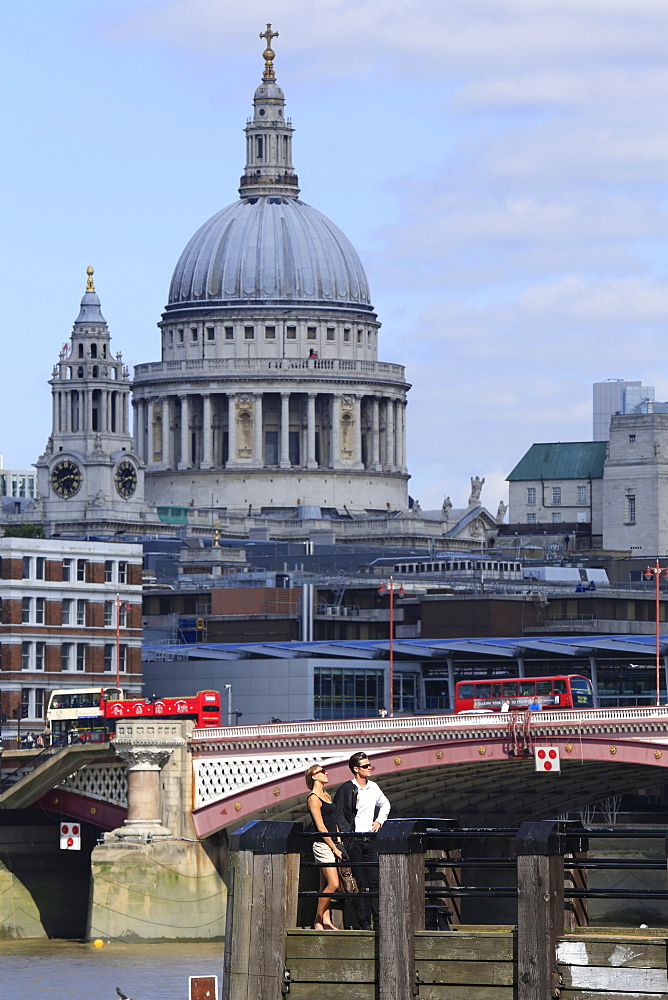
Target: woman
x,y
325,851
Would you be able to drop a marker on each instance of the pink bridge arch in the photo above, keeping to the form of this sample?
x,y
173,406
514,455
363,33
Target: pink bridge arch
x,y
479,769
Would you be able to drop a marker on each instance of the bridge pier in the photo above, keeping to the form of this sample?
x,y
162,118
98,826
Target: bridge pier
x,y
152,880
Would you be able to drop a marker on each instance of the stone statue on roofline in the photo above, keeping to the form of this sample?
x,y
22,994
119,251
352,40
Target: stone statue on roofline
x,y
501,512
476,490
446,508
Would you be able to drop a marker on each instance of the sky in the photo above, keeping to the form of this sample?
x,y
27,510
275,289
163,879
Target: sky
x,y
500,165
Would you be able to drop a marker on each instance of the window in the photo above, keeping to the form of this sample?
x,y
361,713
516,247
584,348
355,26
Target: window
x,y
194,334
582,494
346,334
249,333
270,333
531,518
39,568
330,333
26,567
311,333
632,439
25,702
108,614
26,606
631,509
67,569
108,571
359,336
81,570
40,648
26,655
39,703
81,612
81,657
291,333
66,611
229,333
39,610
122,572
66,656
556,518
531,494
123,616
180,335
210,333
123,658
108,657
340,693
556,494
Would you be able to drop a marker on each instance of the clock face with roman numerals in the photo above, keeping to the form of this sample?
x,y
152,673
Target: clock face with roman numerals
x,y
125,479
66,478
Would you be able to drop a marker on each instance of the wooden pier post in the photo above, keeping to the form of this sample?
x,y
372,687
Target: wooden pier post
x,y
261,906
540,909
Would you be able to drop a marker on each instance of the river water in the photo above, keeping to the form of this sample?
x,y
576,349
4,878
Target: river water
x,y
50,970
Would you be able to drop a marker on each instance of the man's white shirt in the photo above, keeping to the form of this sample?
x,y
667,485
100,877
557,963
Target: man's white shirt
x,y
368,797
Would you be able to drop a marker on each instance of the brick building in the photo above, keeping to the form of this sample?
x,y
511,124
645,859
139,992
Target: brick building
x,y
58,611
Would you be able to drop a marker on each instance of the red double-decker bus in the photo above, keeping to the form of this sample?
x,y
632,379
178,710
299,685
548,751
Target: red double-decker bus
x,y
519,693
203,707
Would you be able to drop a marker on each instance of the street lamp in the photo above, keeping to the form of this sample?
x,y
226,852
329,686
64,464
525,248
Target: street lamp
x,y
390,588
657,572
228,688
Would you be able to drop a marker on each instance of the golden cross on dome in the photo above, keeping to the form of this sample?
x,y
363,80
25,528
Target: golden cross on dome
x,y
90,287
268,54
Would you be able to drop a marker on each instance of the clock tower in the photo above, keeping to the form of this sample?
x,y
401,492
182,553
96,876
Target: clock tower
x,y
89,478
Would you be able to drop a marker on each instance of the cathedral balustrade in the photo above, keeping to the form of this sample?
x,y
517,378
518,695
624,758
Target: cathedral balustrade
x,y
269,366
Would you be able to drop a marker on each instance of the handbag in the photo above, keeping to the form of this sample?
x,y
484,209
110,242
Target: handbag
x,y
347,879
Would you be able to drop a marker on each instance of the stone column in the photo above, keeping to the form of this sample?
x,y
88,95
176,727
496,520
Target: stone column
x,y
284,457
185,462
402,434
258,461
136,406
357,431
335,447
389,434
375,434
145,747
148,428
88,396
55,413
232,430
207,433
166,436
310,431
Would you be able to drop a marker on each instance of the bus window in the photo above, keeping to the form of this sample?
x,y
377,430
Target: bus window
x,y
560,686
527,689
483,690
543,687
466,690
510,689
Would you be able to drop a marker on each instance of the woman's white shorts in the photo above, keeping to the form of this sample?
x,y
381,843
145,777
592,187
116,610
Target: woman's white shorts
x,y
323,853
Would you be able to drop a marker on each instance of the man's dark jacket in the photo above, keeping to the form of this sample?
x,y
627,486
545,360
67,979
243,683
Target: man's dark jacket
x,y
345,801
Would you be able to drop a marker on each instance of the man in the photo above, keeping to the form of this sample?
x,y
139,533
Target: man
x,y
362,809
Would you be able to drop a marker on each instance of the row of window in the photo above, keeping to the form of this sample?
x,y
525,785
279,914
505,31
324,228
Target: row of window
x,y
249,333
73,612
34,568
629,515
74,656
556,495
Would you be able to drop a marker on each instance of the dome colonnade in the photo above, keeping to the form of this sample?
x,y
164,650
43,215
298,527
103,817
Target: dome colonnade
x,y
269,354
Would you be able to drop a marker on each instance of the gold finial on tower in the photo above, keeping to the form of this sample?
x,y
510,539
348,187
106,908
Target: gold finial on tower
x,y
268,54
216,535
90,286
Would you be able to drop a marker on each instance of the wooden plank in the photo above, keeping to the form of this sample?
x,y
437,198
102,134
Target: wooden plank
x,y
333,991
437,992
331,944
238,927
540,916
448,945
292,866
615,952
304,970
480,973
605,979
401,914
571,994
267,920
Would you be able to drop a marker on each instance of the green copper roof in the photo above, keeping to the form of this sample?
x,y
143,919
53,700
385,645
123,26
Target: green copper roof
x,y
562,460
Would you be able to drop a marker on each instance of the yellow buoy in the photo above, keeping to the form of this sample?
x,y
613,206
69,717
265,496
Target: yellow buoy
x,y
98,943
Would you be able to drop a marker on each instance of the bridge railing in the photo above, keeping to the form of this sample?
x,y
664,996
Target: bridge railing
x,y
408,723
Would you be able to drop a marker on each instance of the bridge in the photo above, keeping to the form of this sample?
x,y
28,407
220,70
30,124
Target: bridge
x,y
478,768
